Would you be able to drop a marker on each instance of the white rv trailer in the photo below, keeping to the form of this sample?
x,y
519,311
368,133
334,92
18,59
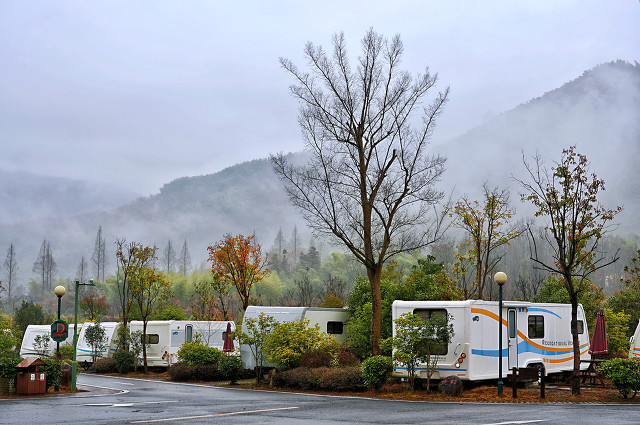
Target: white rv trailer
x,y
330,320
534,335
165,337
84,351
634,351
27,347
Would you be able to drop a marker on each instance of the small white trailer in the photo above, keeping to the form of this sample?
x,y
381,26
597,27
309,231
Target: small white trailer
x,y
85,352
330,320
534,335
27,348
634,350
165,337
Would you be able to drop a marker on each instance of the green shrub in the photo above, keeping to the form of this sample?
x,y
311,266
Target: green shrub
x,y
182,372
53,369
66,352
231,368
104,366
314,359
8,364
624,375
376,371
197,353
341,379
124,361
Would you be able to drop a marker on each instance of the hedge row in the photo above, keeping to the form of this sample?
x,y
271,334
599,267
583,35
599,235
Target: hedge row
x,y
321,378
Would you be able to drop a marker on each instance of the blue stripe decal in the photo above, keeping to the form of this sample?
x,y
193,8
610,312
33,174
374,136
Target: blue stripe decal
x,y
544,310
438,369
523,347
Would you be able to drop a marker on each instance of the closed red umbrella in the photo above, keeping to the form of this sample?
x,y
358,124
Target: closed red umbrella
x,y
228,340
599,341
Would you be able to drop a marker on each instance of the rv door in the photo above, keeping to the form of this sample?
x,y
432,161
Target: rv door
x,y
512,332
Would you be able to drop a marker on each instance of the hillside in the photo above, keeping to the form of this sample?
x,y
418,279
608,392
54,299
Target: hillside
x,y
597,111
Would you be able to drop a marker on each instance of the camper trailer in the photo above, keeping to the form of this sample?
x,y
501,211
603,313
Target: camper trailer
x,y
84,351
28,341
330,320
634,351
165,337
534,335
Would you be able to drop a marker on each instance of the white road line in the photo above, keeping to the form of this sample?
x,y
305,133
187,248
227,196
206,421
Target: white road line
x,y
243,412
519,422
127,404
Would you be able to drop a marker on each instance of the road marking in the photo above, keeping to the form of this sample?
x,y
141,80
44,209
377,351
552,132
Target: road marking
x,y
519,422
214,415
127,404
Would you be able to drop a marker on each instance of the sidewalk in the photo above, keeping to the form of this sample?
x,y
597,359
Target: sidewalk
x,y
83,391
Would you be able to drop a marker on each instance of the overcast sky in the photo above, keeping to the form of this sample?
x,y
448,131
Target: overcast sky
x,y
138,93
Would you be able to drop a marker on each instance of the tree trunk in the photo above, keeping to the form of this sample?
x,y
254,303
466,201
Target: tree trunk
x,y
376,304
575,378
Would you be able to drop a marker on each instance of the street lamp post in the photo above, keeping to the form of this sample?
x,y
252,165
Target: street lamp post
x,y
74,365
59,291
500,279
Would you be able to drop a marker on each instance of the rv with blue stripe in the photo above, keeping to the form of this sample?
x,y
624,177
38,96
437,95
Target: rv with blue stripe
x,y
533,335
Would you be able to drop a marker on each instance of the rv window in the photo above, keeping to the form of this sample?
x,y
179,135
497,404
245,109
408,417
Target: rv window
x,y
536,327
335,328
511,320
152,339
189,332
427,314
580,327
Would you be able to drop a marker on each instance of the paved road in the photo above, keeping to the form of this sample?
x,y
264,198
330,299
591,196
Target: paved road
x,y
132,401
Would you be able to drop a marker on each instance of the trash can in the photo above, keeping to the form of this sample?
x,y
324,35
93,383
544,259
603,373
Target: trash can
x,y
29,380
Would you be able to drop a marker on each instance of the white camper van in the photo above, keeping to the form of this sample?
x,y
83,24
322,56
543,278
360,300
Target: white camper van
x,y
330,320
165,337
634,351
84,352
534,335
28,340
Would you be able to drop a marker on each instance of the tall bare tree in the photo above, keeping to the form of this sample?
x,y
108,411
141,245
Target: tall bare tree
x,y
567,197
45,266
184,260
10,269
169,257
99,258
369,181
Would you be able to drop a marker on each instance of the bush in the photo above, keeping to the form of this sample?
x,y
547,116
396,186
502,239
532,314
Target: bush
x,y
376,371
182,372
207,372
341,379
66,352
347,358
53,369
8,364
624,375
321,378
104,366
124,361
231,368
197,353
314,359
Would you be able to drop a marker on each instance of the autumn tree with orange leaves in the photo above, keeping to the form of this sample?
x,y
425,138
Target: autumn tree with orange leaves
x,y
238,260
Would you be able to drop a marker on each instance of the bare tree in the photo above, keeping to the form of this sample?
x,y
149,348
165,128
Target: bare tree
x,y
83,270
169,257
567,197
369,182
45,266
10,269
184,260
99,258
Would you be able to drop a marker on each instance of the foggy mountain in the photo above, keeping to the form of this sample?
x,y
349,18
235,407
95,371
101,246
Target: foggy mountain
x,y
26,196
597,112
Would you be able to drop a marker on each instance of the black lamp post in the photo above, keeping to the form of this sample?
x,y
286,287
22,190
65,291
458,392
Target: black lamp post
x,y
500,279
59,291
74,365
